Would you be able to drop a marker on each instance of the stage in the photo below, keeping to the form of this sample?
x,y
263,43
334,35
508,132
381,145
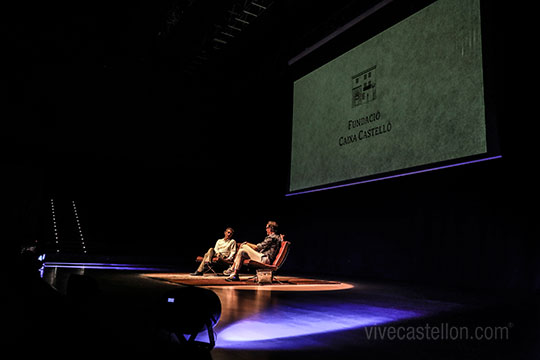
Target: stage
x,y
249,282
113,309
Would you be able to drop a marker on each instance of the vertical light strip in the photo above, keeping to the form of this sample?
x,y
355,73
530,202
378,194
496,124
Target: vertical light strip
x,y
55,228
78,226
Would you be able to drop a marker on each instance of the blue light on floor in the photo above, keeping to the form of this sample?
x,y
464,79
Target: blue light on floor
x,y
100,266
289,325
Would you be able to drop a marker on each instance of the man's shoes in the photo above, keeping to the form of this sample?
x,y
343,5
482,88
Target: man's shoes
x,y
197,273
233,278
229,271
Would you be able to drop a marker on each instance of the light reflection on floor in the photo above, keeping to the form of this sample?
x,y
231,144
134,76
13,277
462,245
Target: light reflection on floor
x,y
270,323
287,323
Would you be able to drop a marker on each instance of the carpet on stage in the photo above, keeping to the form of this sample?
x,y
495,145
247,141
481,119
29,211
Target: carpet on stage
x,y
213,280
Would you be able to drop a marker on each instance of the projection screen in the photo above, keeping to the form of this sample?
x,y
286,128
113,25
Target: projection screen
x,y
408,98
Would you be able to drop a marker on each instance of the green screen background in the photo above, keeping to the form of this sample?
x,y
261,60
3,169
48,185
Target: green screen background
x,y
428,84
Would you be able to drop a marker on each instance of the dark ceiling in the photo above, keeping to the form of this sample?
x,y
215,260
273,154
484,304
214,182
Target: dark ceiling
x,y
158,80
186,32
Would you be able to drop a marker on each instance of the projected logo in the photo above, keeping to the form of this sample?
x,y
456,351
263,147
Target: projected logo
x,y
364,87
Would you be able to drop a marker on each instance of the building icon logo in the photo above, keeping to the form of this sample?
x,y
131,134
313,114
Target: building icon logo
x,y
364,87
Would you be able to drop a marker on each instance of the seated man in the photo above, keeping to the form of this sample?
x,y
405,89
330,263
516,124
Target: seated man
x,y
264,251
224,248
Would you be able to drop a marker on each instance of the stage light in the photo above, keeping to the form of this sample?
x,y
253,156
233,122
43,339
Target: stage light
x,y
242,21
188,311
249,13
262,7
234,27
220,41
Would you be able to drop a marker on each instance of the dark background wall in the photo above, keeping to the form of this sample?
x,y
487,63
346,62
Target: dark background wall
x,y
160,162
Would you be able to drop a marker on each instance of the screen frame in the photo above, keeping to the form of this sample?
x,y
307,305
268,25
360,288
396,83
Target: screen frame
x,y
372,22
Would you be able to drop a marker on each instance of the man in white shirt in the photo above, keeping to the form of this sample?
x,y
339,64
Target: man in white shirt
x,y
224,248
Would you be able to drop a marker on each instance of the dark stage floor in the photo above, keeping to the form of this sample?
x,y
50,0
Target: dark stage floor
x,y
113,312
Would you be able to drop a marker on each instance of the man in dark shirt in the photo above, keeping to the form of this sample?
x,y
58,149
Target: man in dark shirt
x,y
264,251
